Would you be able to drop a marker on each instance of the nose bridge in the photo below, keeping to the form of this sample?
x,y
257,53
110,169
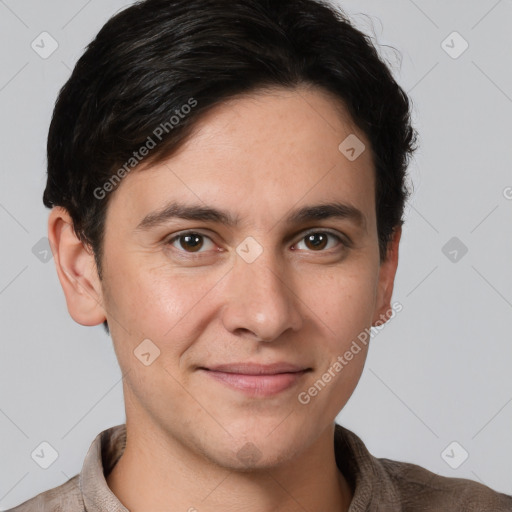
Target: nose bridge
x,y
261,299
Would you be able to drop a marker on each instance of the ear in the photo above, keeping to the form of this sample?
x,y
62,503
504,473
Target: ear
x,y
386,281
76,270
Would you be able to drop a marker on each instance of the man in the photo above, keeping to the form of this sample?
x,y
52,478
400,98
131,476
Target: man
x,y
227,183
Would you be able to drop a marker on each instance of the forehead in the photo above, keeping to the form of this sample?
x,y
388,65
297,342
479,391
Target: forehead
x,y
264,152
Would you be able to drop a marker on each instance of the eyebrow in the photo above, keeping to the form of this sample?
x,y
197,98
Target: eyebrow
x,y
176,210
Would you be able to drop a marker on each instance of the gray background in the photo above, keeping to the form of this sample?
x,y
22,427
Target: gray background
x,y
438,372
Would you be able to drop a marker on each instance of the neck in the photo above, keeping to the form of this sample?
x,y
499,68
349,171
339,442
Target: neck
x,y
157,473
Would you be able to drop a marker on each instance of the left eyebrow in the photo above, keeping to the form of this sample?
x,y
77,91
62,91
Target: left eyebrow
x,y
205,213
327,211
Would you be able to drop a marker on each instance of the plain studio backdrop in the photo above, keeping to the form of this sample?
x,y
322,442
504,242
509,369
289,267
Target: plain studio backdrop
x,y
437,385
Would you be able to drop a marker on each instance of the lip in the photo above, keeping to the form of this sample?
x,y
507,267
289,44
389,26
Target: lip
x,y
257,369
257,379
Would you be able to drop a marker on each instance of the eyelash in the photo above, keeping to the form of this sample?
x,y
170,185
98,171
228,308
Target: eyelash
x,y
338,238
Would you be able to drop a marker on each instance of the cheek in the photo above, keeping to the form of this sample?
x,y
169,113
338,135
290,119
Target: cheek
x,y
343,307
167,306
343,299
337,383
154,298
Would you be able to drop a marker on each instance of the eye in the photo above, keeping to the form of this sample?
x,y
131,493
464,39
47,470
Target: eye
x,y
191,241
319,240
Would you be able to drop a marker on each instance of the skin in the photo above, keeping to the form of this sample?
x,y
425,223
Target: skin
x,y
258,157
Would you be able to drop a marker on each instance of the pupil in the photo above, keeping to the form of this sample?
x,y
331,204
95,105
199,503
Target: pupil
x,y
192,241
318,243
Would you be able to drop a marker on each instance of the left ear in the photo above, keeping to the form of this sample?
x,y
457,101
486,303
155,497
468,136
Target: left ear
x,y
387,274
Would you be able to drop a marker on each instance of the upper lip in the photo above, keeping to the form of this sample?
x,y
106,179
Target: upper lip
x,y
257,369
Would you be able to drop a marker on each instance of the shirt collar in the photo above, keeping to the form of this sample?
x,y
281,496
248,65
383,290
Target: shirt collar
x,y
372,487
105,451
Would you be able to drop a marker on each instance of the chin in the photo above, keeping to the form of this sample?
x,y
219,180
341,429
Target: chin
x,y
251,457
261,445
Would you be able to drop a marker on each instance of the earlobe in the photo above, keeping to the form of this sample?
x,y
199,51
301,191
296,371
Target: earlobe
x,y
386,282
76,270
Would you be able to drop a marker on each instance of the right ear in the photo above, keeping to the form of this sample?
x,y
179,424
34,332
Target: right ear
x,y
76,269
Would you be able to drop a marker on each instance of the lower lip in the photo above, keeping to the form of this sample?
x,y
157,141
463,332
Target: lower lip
x,y
257,385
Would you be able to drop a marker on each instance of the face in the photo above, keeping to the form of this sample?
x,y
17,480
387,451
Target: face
x,y
268,279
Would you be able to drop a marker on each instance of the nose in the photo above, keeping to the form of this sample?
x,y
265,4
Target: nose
x,y
260,300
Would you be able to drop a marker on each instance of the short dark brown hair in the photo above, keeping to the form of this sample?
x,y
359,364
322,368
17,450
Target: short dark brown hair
x,y
159,65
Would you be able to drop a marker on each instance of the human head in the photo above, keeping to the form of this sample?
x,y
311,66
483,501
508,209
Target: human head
x,y
271,90
163,64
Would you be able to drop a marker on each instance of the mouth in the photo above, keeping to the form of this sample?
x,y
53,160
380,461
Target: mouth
x,y
257,379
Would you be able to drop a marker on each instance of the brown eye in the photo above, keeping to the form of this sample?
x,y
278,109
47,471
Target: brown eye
x,y
190,242
193,242
318,240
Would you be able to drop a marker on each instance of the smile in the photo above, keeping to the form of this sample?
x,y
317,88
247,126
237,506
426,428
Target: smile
x,y
257,383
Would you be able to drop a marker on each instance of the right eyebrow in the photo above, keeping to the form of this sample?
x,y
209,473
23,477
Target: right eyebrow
x,y
188,212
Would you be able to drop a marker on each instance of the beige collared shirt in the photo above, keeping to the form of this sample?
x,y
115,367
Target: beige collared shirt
x,y
378,484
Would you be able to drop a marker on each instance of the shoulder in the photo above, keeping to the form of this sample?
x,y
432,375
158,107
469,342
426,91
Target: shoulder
x,y
64,498
418,487
386,485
